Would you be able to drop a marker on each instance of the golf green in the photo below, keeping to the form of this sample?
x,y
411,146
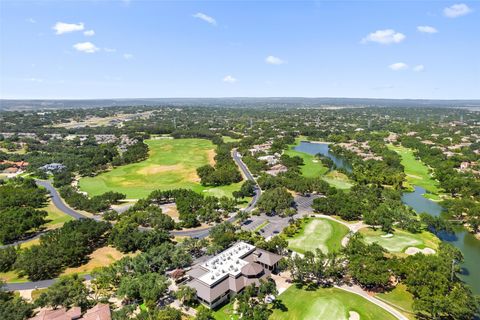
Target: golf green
x,y
171,164
400,240
318,233
326,304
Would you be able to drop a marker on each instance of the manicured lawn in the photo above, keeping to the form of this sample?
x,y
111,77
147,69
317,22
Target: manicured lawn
x,y
55,218
399,298
312,167
225,313
401,240
228,139
326,304
338,180
417,172
171,164
323,234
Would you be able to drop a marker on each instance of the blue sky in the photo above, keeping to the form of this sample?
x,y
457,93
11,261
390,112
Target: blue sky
x,y
130,49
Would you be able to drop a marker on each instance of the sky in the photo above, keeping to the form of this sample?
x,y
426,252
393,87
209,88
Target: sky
x,y
158,49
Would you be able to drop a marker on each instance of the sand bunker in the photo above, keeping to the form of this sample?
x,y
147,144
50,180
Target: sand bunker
x,y
353,315
388,235
413,250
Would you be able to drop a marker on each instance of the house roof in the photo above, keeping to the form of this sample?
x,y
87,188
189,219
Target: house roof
x,y
99,312
252,269
266,257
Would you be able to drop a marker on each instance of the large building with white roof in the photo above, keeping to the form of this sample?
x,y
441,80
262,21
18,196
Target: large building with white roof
x,y
229,272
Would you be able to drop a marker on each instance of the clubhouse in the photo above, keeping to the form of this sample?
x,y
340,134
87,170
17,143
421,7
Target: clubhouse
x,y
229,272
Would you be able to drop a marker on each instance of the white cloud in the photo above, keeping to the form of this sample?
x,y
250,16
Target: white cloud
x,y
229,79
427,29
109,50
398,66
34,80
386,36
86,47
62,27
204,17
419,68
128,56
456,10
89,33
31,20
274,60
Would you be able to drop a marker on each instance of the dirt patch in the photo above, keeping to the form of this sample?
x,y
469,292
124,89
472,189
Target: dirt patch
x,y
99,258
155,169
170,209
211,157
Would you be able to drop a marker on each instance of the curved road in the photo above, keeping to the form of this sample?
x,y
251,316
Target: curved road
x,y
202,233
58,202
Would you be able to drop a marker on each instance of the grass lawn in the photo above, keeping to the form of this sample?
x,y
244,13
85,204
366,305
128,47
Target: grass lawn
x,y
228,139
417,172
338,180
326,304
12,276
55,218
312,167
171,164
323,234
399,298
225,313
401,240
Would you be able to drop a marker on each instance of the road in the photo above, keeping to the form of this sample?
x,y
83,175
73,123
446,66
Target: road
x,y
58,202
202,233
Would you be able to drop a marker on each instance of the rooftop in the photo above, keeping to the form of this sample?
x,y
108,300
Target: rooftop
x,y
228,262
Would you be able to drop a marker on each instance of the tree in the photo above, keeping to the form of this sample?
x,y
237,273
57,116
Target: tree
x,y
204,313
8,256
187,295
275,200
13,307
168,313
68,291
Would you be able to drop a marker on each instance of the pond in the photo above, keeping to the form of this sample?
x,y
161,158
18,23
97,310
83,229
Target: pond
x,y
461,239
324,149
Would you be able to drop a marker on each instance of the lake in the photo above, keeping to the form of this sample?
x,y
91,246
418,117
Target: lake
x,y
323,149
461,239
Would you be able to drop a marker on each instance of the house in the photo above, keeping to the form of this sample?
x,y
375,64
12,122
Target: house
x,y
99,312
276,169
229,272
260,148
14,167
270,159
51,167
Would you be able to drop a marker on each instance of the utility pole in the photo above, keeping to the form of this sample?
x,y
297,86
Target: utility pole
x,y
175,122
251,123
